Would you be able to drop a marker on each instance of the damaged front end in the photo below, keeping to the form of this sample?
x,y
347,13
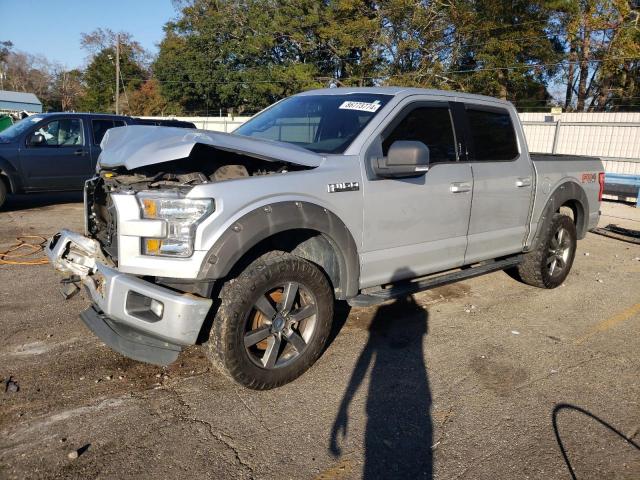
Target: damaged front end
x,y
137,258
137,318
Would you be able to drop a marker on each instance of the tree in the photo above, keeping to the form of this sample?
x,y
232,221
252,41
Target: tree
x,y
503,49
241,55
99,76
24,72
602,43
5,49
68,89
148,101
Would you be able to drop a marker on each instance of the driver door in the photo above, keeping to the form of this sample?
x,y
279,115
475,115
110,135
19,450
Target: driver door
x,y
55,156
415,226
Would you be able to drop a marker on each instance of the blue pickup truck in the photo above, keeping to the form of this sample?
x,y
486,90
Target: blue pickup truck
x,y
57,151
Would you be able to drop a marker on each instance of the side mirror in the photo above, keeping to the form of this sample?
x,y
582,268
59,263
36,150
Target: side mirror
x,y
406,158
36,140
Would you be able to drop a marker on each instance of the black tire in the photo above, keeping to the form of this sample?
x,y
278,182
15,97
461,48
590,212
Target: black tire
x,y
3,193
538,268
240,320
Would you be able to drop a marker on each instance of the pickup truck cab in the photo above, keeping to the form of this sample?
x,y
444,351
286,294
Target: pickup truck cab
x,y
56,151
243,241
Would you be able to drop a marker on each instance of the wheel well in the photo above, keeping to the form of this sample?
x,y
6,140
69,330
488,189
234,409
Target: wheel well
x,y
4,178
574,210
305,243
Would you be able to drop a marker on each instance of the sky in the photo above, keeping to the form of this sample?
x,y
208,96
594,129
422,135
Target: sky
x,y
52,27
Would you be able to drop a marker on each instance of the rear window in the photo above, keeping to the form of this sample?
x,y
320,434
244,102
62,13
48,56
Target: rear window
x,y
101,126
493,135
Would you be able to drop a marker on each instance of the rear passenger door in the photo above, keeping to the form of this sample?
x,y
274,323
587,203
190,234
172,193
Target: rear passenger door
x,y
502,183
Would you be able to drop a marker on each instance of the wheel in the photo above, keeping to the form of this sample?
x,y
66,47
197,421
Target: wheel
x,y
3,193
549,264
273,321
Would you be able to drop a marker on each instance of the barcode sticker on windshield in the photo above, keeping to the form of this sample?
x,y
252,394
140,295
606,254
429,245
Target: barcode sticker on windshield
x,y
361,106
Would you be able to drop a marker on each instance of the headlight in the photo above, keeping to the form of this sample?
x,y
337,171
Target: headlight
x,y
182,216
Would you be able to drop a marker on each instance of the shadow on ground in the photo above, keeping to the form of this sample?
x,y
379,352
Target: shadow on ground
x,y
38,200
399,431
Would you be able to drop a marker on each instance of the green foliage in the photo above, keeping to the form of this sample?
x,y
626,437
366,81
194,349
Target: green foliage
x,y
5,49
242,55
99,78
238,54
245,55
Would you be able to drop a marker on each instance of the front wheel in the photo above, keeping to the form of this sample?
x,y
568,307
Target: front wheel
x,y
549,264
273,321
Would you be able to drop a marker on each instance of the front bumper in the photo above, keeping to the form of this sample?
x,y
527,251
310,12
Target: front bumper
x,y
137,318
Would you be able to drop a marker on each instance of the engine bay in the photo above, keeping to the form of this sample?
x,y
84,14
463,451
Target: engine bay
x,y
205,164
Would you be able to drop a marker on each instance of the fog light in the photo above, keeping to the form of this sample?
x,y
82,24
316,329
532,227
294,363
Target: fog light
x,y
157,308
143,307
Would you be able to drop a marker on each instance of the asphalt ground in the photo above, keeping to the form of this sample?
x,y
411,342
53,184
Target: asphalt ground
x,y
466,381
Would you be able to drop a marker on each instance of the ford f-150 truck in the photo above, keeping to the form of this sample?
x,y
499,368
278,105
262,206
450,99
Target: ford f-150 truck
x,y
243,242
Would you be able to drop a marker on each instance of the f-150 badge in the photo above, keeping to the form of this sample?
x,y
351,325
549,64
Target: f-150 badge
x,y
343,187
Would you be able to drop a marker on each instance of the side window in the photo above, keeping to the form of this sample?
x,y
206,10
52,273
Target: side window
x,y
431,126
493,135
119,123
99,128
62,133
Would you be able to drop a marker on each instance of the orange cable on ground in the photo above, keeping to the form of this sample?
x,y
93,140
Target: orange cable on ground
x,y
12,256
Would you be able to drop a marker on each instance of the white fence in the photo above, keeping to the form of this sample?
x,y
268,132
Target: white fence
x,y
216,124
614,137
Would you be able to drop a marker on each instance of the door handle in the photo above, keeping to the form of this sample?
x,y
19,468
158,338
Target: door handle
x,y
459,187
523,182
80,153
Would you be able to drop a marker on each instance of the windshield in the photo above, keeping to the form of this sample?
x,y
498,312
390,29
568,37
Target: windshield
x,y
17,128
320,123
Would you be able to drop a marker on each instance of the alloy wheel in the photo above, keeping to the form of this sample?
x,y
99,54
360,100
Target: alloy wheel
x,y
280,325
559,252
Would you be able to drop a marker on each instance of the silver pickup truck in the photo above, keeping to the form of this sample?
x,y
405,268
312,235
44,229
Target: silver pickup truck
x,y
243,242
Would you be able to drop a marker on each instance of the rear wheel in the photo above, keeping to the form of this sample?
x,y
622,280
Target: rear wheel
x,y
549,264
273,321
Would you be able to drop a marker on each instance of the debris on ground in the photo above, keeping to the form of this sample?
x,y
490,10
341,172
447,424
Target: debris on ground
x,y
619,233
515,332
73,454
11,386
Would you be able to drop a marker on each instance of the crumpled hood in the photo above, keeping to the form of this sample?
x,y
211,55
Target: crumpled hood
x,y
137,146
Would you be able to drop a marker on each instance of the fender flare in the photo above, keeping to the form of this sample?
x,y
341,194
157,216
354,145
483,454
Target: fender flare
x,y
563,193
268,220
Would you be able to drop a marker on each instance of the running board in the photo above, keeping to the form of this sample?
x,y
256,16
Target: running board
x,y
394,290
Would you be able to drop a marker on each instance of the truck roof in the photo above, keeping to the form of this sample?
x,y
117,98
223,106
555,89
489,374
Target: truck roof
x,y
402,92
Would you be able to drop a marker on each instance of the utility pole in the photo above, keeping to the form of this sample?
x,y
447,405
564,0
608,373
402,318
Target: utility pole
x,y
117,74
